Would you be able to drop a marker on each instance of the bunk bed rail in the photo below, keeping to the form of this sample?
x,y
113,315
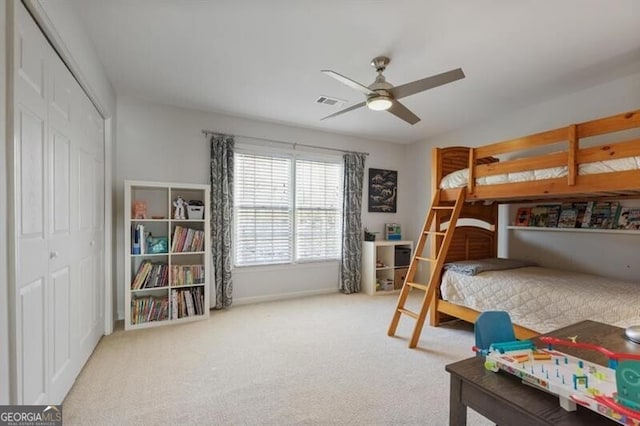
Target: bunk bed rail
x,y
482,162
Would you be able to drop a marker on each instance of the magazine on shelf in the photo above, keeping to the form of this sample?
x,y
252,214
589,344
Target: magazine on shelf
x,y
539,216
581,207
629,218
600,215
568,218
553,214
522,216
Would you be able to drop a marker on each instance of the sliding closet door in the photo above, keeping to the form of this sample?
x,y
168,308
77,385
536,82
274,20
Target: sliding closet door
x,y
63,273
31,198
90,223
59,178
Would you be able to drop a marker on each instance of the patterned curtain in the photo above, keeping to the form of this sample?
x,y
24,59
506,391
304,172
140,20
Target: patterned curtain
x,y
221,218
352,224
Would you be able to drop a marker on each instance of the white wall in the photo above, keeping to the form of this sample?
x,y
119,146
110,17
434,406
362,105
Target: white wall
x,y
4,296
163,143
609,98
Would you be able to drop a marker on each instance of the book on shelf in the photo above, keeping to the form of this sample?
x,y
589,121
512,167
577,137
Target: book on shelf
x,y
187,274
568,218
137,239
629,218
597,215
149,308
539,216
188,300
615,214
522,216
586,219
553,214
187,240
581,208
150,275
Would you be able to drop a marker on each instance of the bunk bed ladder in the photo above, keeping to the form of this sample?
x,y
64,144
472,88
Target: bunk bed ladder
x,y
443,240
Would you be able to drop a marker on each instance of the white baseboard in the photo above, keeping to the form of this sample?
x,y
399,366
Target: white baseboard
x,y
282,296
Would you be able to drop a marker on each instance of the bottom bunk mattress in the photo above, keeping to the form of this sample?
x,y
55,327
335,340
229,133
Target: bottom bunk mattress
x,y
544,299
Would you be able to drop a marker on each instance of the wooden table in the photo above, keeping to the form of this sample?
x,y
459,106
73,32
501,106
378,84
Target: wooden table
x,y
504,399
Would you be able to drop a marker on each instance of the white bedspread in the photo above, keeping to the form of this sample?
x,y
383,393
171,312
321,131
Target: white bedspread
x,y
545,299
459,178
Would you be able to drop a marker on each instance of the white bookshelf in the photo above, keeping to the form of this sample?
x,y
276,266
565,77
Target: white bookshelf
x,y
379,264
183,294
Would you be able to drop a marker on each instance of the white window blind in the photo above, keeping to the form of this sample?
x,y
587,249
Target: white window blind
x,y
318,208
263,216
286,209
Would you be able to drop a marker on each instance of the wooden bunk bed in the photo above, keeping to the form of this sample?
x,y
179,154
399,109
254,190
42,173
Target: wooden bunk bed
x,y
480,202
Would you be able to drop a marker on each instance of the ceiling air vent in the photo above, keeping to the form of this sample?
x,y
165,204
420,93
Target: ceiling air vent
x,y
326,100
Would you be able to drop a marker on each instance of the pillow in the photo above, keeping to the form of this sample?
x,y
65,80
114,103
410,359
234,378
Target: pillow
x,y
474,267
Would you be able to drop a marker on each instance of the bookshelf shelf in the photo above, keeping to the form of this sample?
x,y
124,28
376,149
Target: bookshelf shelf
x,y
183,253
149,289
147,305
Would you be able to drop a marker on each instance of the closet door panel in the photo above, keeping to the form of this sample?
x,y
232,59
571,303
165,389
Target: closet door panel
x,y
63,359
30,54
86,195
31,198
31,152
61,324
33,344
61,191
86,293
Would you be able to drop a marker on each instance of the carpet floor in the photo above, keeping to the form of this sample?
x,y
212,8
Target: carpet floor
x,y
322,360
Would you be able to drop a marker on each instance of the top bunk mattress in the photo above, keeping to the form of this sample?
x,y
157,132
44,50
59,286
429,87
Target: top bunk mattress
x,y
544,299
460,178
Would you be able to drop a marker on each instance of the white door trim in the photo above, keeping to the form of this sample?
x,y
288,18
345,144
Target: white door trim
x,y
49,30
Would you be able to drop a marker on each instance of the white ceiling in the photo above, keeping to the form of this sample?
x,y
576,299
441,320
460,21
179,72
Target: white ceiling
x,y
262,59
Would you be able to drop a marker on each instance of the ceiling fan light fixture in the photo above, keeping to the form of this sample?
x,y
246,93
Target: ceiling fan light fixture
x,y
379,103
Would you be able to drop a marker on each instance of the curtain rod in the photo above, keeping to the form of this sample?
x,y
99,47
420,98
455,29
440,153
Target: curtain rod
x,y
292,144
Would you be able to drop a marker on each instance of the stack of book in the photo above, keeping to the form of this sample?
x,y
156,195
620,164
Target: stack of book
x,y
187,240
149,308
187,274
187,302
151,275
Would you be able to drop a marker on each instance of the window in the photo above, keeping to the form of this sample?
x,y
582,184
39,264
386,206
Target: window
x,y
287,209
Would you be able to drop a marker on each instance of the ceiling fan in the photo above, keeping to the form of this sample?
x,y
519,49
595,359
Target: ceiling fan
x,y
383,96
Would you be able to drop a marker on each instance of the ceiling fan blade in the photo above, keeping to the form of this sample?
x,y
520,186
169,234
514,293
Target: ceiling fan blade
x,y
345,80
404,90
351,108
403,113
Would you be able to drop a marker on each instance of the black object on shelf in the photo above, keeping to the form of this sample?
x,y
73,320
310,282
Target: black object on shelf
x,y
402,256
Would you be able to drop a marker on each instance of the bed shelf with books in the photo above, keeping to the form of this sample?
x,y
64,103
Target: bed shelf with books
x,y
587,216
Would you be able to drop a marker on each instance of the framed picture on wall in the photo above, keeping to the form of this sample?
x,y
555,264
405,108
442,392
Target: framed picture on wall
x,y
383,191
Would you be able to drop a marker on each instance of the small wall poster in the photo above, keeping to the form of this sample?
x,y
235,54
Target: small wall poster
x,y
383,190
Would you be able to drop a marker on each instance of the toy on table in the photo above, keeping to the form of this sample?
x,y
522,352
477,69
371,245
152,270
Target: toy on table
x,y
612,391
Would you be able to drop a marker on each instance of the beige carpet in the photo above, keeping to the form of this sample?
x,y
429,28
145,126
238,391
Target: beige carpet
x,y
322,360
